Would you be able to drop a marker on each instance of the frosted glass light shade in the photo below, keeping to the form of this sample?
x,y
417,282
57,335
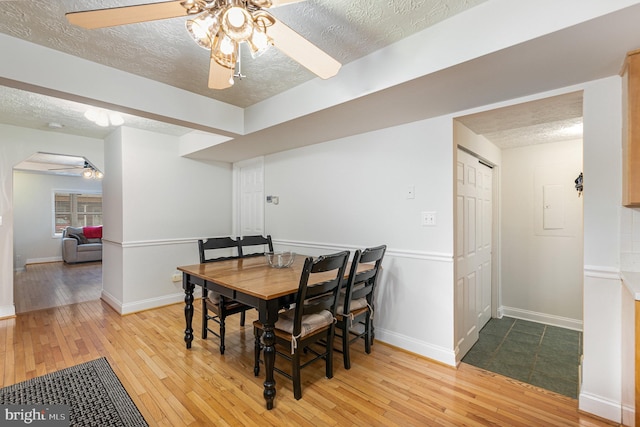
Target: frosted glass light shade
x,y
202,29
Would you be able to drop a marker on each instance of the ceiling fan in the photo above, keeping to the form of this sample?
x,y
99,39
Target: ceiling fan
x,y
87,170
220,26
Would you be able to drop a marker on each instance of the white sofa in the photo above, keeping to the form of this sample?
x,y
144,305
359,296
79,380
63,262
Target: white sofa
x,y
78,248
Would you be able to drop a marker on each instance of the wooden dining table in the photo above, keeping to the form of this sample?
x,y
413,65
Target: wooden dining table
x,y
253,282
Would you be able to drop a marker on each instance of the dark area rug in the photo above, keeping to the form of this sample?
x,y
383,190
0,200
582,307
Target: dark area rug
x,y
92,391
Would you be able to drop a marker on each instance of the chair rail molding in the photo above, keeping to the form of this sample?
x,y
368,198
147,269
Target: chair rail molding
x,y
400,253
157,242
322,246
602,272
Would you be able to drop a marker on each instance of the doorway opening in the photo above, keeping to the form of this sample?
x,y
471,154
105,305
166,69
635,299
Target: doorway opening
x,y
50,192
537,237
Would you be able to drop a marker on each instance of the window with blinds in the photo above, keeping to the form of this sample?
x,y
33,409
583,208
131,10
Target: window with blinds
x,y
77,210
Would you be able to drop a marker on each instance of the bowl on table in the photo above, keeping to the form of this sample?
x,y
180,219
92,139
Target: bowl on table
x,y
280,259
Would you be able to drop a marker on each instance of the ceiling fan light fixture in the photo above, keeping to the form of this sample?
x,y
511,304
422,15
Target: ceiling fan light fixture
x,y
91,114
104,118
237,23
87,173
202,28
224,50
193,6
90,172
258,43
115,119
221,26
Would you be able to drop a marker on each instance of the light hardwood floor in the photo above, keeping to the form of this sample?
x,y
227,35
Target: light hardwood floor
x,y
55,284
173,386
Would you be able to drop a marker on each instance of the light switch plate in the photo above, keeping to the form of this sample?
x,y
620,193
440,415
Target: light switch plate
x,y
411,192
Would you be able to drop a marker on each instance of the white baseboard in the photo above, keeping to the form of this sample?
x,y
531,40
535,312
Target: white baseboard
x,y
43,260
440,354
547,319
147,304
600,407
7,311
37,261
150,303
115,303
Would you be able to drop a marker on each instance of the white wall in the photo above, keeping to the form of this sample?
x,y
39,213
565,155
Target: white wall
x,y
601,379
542,267
33,236
352,193
157,204
16,144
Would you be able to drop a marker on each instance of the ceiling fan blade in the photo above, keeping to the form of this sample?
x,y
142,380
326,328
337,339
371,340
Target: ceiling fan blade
x,y
276,3
303,51
102,18
219,76
264,4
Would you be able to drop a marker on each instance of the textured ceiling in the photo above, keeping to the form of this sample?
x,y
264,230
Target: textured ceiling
x,y
163,50
558,118
32,110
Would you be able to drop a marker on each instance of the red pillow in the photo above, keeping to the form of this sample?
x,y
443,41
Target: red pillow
x,y
94,232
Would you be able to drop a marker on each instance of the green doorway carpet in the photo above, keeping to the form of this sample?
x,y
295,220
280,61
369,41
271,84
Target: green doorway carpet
x,y
534,353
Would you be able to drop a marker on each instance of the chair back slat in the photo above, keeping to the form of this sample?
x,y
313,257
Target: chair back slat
x,y
315,297
373,254
361,285
217,243
247,241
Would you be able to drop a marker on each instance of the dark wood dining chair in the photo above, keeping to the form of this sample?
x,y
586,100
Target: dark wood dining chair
x,y
311,321
356,305
253,241
215,307
217,245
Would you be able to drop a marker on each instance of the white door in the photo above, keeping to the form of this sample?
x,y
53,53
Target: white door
x,y
473,250
249,196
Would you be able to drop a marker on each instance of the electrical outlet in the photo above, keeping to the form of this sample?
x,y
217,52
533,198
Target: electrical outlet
x,y
428,219
176,277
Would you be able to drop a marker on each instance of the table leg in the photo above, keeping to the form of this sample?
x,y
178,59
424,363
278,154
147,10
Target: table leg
x,y
269,340
188,308
268,318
